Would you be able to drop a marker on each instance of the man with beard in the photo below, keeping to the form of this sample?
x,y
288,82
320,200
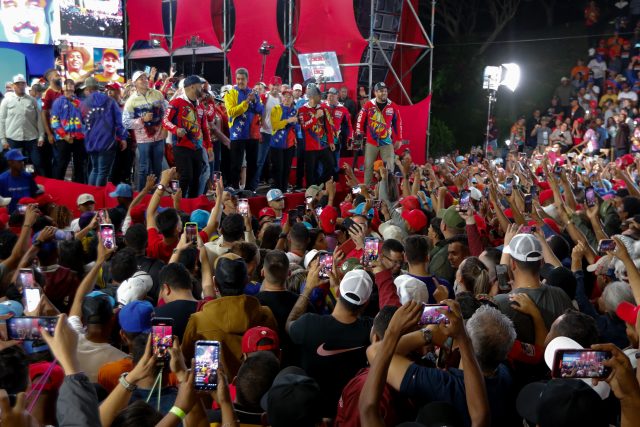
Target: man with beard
x,y
188,122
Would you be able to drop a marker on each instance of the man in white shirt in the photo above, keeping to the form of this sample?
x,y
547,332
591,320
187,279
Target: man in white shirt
x,y
20,122
627,93
270,100
85,203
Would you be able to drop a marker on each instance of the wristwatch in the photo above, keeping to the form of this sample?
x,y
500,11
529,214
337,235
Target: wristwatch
x,y
163,188
124,383
427,335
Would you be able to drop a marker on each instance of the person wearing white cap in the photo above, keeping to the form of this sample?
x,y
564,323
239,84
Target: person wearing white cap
x,y
20,122
333,346
524,255
143,113
85,203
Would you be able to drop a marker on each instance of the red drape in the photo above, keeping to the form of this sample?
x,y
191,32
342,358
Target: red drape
x,y
329,25
414,120
256,21
403,56
194,18
145,17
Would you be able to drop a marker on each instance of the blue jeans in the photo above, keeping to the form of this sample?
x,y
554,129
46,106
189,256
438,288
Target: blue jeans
x,y
101,165
150,155
206,172
263,152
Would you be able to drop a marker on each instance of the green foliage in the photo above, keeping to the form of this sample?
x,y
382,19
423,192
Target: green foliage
x,y
441,140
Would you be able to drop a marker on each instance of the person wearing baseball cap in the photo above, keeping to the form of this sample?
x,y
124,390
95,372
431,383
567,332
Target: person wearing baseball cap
x,y
341,122
110,63
260,338
143,112
333,346
525,259
15,182
276,201
380,123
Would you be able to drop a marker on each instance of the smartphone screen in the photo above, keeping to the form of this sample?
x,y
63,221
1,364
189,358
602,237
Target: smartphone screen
x,y
528,203
503,278
606,245
216,176
207,355
318,211
191,229
464,201
30,292
162,336
243,207
583,363
370,251
356,190
590,196
431,314
175,185
107,234
22,209
28,328
508,186
326,263
101,216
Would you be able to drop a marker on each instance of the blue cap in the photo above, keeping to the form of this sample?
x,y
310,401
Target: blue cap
x,y
359,210
15,155
94,294
122,190
191,80
135,317
200,217
460,159
11,306
274,194
307,224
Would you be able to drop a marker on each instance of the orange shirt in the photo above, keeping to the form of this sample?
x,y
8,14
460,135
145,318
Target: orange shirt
x,y
109,373
580,69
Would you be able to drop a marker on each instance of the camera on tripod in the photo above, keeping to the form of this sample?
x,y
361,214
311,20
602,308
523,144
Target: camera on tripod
x,y
265,48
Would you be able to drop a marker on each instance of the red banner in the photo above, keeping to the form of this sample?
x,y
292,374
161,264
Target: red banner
x,y
256,21
415,119
145,18
193,18
329,25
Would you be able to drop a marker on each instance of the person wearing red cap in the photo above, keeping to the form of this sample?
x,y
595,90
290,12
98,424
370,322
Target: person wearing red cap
x,y
415,220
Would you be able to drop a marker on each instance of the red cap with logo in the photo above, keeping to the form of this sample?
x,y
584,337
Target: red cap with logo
x,y
260,338
410,202
328,218
416,219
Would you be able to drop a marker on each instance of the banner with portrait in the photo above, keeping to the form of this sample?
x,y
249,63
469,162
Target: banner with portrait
x,y
27,21
109,65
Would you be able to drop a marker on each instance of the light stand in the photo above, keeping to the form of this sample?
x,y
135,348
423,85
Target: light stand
x,y
492,99
194,43
495,76
264,50
155,40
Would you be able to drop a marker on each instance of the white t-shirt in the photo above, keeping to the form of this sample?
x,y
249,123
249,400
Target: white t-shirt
x,y
271,102
92,355
630,95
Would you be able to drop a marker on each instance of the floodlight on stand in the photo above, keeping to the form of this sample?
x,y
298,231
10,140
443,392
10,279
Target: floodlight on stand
x,y
510,76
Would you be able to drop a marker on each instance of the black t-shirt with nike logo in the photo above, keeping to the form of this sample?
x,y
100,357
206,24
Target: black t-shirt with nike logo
x,y
331,352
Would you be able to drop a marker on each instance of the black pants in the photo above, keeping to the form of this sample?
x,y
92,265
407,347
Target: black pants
x,y
311,161
240,148
123,165
281,159
300,164
189,168
64,153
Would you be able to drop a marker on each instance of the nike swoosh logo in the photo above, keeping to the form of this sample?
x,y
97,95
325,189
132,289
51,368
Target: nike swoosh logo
x,y
324,352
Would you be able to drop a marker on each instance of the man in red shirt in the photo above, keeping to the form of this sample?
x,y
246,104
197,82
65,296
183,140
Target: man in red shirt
x,y
163,229
342,128
50,95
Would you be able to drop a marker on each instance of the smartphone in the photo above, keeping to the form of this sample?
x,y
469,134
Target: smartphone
x,y
347,223
207,355
557,169
308,200
30,291
243,207
102,217
508,186
370,255
191,229
22,209
318,211
29,169
108,235
161,336
356,190
431,314
445,352
348,246
526,229
147,69
590,196
606,245
28,328
175,185
528,203
326,263
580,363
216,176
502,274
463,206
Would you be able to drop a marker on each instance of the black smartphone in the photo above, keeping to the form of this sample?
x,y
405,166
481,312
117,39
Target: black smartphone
x,y
28,328
606,245
207,355
431,314
326,264
191,230
347,223
590,196
465,197
108,235
30,292
502,274
162,336
580,363
371,245
528,203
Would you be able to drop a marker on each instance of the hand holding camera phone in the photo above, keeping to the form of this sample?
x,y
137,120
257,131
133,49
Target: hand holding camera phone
x,y
590,196
207,355
465,198
108,235
432,315
581,363
30,292
175,185
606,245
326,264
243,207
28,328
191,231
161,336
370,255
502,275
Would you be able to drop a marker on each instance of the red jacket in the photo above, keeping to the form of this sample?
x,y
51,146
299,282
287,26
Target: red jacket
x,y
182,113
379,127
318,132
341,120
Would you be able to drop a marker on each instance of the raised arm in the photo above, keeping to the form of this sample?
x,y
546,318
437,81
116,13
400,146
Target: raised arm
x,y
165,180
20,248
90,279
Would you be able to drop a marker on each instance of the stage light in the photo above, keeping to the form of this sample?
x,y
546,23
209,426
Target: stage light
x,y
510,76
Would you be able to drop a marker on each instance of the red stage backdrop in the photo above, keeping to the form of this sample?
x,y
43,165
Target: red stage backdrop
x,y
329,25
145,17
194,18
256,21
414,119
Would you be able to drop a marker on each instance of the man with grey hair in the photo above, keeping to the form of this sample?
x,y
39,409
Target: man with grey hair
x,y
242,105
484,344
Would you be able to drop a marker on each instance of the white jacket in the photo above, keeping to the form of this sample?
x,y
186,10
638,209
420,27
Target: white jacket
x,y
20,119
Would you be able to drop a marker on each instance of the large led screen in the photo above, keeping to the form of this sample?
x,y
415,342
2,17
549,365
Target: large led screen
x,y
27,21
91,22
